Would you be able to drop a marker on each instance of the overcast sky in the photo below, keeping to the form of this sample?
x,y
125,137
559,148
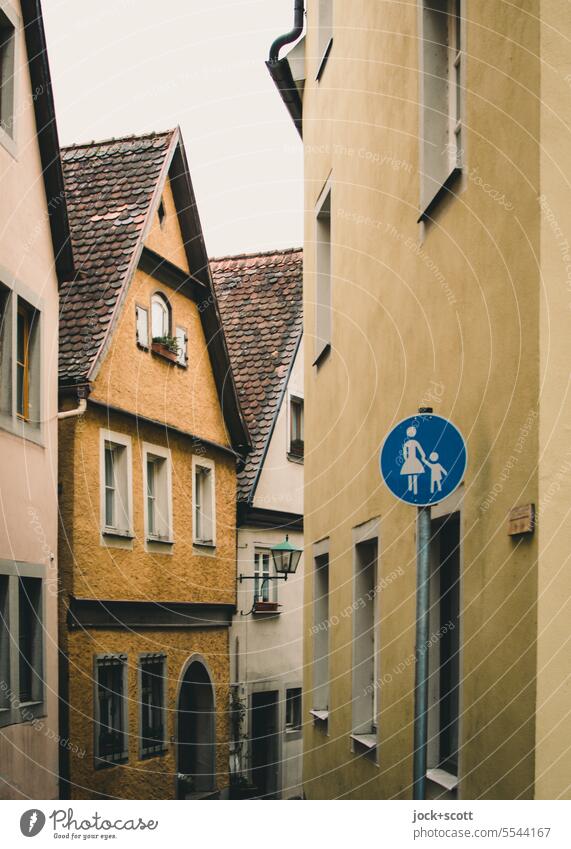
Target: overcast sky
x,y
131,66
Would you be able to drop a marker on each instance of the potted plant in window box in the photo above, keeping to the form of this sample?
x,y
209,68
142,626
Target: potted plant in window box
x,y
261,606
165,346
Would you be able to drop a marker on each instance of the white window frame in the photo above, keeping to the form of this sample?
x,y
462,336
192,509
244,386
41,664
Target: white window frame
x,y
8,138
123,441
271,585
165,303
323,274
150,451
203,462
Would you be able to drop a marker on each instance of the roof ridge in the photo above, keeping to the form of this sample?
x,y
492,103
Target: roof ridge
x,y
117,139
276,252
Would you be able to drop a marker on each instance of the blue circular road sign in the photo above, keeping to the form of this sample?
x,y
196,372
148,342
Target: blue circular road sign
x,y
423,459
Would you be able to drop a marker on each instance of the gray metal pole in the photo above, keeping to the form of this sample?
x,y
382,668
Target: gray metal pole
x,y
421,652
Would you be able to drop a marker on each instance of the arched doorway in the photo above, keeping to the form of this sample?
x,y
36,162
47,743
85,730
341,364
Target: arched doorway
x,y
196,731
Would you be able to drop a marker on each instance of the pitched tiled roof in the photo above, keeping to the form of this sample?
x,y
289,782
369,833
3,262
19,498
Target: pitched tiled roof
x,y
109,186
260,299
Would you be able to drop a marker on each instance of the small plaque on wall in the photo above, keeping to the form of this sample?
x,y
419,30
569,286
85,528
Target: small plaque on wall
x,y
521,520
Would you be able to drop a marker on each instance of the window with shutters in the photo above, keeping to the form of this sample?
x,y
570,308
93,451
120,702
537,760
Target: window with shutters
x,y
152,694
110,709
204,502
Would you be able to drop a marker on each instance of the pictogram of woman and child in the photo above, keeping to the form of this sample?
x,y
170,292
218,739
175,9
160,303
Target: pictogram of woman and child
x,y
413,454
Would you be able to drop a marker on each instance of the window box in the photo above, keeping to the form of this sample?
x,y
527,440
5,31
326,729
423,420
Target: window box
x,y
265,607
162,349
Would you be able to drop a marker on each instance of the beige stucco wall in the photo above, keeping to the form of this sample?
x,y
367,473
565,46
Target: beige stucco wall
x,y
443,315
553,756
28,472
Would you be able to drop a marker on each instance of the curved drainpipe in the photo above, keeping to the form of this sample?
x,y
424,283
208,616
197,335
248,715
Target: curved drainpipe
x,y
280,70
290,36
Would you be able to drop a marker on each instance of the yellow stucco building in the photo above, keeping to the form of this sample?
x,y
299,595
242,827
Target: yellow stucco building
x,y
436,266
148,459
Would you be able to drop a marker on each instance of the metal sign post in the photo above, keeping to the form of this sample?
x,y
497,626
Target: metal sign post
x,y
423,460
423,531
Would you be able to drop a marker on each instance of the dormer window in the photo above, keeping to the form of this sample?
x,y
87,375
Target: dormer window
x,y
160,317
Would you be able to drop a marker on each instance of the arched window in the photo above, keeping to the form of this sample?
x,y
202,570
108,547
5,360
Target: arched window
x,y
160,316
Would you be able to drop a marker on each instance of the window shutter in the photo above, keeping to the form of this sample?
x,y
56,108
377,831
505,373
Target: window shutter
x,y
182,342
142,327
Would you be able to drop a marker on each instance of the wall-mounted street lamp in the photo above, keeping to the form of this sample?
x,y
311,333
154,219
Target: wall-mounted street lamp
x,y
286,560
